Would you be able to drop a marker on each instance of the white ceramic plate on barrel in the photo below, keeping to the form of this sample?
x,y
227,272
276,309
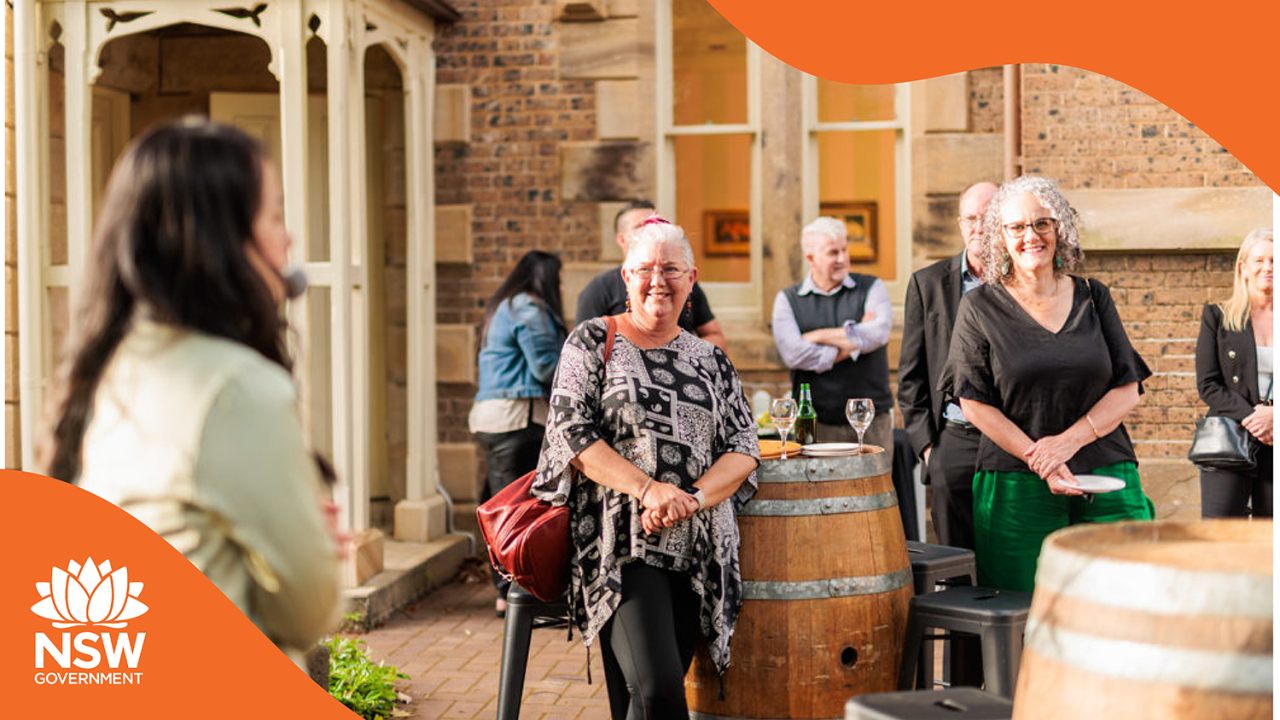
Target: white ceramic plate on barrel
x,y
1099,483
830,449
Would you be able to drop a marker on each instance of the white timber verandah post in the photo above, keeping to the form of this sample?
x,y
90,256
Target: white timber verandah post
x,y
79,71
422,515
31,111
338,32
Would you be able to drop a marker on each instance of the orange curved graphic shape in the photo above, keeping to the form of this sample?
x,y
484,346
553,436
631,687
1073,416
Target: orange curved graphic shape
x,y
199,656
1213,64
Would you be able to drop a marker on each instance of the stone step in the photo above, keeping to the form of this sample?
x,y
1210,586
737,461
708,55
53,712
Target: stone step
x,y
410,571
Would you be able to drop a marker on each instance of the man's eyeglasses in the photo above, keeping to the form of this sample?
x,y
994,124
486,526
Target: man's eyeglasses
x,y
1043,227
669,272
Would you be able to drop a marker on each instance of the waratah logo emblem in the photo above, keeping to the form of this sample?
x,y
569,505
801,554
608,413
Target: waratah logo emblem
x,y
89,595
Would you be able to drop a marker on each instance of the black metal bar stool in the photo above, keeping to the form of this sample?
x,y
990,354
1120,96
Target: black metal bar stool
x,y
933,565
997,617
522,609
951,704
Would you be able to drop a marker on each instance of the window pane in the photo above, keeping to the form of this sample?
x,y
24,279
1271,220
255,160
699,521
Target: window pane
x,y
709,65
317,368
856,180
713,203
838,102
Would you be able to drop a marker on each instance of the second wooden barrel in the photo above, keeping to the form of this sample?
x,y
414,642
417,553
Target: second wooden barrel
x,y
1167,620
826,583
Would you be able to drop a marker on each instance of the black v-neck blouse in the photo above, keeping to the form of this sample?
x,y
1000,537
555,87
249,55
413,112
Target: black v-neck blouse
x,y
1043,381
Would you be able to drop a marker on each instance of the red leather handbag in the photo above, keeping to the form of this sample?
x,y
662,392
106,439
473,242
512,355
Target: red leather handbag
x,y
528,538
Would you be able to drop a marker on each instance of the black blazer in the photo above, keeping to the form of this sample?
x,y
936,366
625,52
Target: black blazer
x,y
933,296
1226,366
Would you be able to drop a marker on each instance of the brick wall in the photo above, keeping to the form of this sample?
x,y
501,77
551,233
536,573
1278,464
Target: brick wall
x,y
1089,131
1159,298
986,100
521,114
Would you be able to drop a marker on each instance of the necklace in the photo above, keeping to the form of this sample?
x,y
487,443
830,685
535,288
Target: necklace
x,y
1031,298
655,340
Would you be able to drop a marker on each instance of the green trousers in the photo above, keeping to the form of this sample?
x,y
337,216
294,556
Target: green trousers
x,y
1013,512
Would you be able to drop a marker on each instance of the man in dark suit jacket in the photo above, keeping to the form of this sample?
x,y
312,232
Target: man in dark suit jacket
x,y
947,442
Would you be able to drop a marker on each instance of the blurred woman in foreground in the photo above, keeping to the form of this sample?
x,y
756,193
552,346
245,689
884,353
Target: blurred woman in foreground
x,y
176,401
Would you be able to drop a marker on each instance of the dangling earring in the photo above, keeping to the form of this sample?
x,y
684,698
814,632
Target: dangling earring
x,y
628,304
688,306
1004,266
1057,261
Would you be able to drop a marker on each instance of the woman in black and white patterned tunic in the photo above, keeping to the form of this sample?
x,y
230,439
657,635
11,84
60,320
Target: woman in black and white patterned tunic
x,y
646,450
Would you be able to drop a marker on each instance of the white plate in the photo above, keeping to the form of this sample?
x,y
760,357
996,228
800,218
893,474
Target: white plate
x,y
1099,483
831,447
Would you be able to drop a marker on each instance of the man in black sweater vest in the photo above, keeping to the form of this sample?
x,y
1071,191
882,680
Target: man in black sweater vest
x,y
831,330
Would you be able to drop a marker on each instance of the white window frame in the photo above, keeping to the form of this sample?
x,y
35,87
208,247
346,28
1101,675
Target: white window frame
x,y
901,125
732,301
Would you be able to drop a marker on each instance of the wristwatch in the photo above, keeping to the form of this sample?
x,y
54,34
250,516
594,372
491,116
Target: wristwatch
x,y
702,499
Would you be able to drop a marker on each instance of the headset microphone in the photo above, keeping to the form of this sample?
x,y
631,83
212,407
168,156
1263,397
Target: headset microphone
x,y
295,281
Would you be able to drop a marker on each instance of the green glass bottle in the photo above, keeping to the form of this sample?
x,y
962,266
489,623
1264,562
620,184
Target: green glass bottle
x,y
806,429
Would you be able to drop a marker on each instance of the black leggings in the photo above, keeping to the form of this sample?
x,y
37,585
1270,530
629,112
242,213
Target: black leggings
x,y
1229,494
509,455
648,644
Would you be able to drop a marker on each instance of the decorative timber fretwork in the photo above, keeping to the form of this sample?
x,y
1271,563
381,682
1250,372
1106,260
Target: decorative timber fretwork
x,y
242,13
313,23
114,18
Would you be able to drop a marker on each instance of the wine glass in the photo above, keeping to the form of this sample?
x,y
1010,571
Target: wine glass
x,y
860,412
783,414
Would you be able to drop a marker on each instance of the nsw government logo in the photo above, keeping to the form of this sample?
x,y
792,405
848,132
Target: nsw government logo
x,y
89,596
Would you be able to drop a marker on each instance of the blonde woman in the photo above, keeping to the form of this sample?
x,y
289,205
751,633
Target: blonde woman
x,y
1234,377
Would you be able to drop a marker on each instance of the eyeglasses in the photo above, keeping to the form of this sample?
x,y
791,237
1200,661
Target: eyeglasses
x,y
669,272
970,221
1043,227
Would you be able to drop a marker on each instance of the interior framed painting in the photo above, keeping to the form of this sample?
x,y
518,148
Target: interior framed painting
x,y
859,217
726,232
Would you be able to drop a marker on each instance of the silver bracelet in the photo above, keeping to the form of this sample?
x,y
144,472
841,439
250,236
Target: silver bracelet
x,y
645,489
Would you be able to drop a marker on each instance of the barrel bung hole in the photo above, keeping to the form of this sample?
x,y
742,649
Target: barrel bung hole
x,y
848,657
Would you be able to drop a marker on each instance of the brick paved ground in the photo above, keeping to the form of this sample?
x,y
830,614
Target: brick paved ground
x,y
450,643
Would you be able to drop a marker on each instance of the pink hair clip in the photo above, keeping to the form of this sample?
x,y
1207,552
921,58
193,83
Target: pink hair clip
x,y
655,220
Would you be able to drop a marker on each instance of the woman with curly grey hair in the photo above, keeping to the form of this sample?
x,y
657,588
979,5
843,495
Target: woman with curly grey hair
x,y
1041,364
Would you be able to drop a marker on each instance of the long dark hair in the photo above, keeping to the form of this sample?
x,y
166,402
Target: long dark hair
x,y
170,242
537,273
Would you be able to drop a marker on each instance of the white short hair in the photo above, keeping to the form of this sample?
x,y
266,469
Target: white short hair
x,y
657,232
829,226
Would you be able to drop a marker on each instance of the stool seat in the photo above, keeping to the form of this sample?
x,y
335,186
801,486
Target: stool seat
x,y
952,704
931,566
997,617
979,606
522,609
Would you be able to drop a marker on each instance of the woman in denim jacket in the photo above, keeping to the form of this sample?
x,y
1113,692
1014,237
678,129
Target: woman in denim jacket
x,y
523,332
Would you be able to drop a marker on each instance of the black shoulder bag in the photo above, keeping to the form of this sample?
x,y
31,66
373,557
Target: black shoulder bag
x,y
1222,443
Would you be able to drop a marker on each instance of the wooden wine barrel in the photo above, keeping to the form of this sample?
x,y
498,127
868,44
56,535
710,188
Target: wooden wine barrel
x,y
1165,620
826,586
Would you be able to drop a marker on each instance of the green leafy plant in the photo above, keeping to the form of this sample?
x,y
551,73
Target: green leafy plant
x,y
367,688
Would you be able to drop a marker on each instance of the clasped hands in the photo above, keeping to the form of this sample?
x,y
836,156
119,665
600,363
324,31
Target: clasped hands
x,y
665,505
1047,457
1258,423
